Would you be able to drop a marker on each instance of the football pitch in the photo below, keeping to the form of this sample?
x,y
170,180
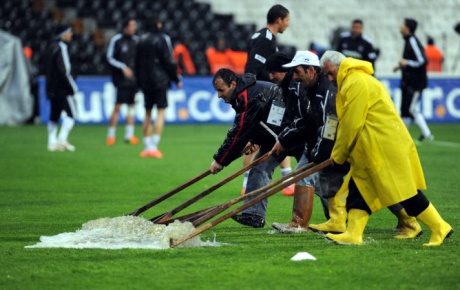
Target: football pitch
x,y
47,193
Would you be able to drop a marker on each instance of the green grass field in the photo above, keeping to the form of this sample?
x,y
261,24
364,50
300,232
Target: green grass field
x,y
48,193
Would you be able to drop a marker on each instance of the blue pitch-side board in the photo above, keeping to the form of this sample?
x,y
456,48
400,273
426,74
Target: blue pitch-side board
x,y
197,102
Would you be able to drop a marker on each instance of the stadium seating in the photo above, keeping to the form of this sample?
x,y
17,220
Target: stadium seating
x,y
311,21
33,22
315,21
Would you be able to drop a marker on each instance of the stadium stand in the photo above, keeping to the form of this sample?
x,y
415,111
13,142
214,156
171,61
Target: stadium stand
x,y
315,21
96,21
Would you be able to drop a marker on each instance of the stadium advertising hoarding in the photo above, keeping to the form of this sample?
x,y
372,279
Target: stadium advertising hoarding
x,y
197,102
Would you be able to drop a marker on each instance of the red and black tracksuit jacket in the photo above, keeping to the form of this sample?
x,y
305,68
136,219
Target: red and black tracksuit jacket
x,y
251,101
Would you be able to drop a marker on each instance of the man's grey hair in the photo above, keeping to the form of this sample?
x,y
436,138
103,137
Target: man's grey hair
x,y
334,57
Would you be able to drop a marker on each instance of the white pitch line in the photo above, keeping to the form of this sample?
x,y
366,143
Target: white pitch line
x,y
445,144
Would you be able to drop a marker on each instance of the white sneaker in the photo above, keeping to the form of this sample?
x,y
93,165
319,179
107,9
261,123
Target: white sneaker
x,y
426,139
55,147
67,146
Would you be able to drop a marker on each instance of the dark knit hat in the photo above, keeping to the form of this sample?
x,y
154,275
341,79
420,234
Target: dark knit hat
x,y
411,24
276,61
61,29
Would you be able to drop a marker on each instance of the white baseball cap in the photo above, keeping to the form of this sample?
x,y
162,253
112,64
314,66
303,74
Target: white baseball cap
x,y
303,57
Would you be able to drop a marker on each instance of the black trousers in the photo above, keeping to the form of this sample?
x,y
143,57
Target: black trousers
x,y
413,206
410,99
60,104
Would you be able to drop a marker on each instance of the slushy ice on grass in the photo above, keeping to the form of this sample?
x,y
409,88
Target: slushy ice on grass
x,y
122,233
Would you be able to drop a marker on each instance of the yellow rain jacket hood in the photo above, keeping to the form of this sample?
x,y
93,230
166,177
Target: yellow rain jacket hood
x,y
372,137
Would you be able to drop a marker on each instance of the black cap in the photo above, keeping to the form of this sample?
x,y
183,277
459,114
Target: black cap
x,y
430,40
61,29
275,62
411,24
457,28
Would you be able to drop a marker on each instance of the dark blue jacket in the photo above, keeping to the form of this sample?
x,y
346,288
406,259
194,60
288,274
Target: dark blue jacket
x,y
260,47
120,53
155,68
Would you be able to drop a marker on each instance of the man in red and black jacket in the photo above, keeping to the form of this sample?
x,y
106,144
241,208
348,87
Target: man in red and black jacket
x,y
252,101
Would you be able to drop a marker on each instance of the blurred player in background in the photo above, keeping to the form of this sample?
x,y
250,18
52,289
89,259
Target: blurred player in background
x,y
414,78
355,44
60,90
121,57
155,70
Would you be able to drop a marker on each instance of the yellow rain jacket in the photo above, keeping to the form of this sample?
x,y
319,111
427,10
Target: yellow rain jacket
x,y
372,137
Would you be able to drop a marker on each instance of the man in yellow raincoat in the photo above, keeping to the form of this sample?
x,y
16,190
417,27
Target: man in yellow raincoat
x,y
385,167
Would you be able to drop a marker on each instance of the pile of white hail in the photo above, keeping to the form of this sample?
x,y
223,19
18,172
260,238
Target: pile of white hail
x,y
123,233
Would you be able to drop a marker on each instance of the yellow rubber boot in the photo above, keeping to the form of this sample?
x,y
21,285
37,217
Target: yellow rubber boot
x,y
338,218
410,227
301,211
440,230
357,220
